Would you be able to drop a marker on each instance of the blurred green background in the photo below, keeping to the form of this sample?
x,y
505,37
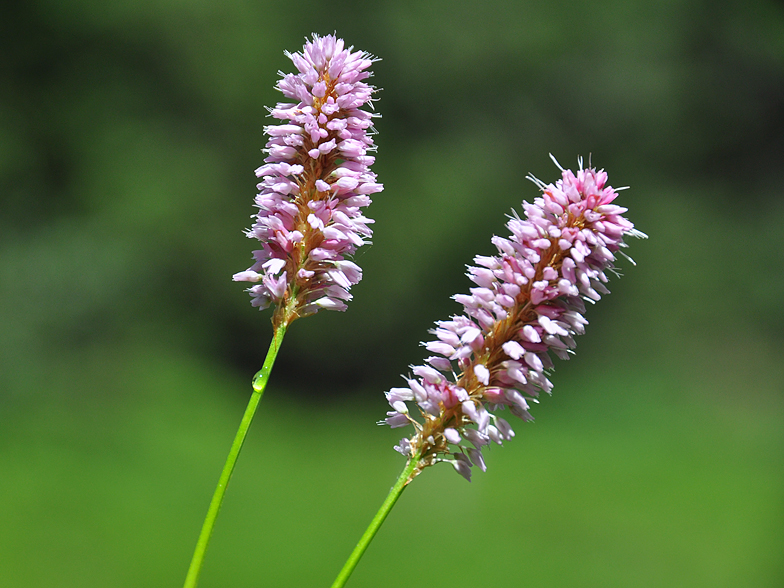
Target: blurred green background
x,y
129,133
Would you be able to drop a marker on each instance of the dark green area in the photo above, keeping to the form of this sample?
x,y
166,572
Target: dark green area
x,y
129,133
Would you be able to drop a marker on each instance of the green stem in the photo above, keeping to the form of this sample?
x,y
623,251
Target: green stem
x,y
259,384
375,524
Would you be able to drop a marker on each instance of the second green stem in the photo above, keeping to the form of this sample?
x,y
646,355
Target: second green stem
x,y
375,524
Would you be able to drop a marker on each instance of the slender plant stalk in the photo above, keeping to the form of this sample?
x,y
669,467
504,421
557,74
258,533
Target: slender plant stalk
x,y
375,524
259,384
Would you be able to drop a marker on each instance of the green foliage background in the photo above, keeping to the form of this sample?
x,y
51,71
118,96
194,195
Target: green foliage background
x,y
129,133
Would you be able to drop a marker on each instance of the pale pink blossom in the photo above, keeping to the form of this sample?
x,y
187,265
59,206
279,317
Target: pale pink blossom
x,y
529,301
314,183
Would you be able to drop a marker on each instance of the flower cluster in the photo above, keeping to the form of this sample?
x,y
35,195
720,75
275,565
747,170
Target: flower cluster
x,y
315,181
528,302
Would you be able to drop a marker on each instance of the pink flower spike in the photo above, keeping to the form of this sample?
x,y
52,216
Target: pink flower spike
x,y
315,180
529,301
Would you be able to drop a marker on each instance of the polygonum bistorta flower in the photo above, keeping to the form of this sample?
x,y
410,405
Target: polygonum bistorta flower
x,y
314,184
528,302
315,181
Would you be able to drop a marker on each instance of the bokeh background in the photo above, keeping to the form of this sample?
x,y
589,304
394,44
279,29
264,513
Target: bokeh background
x,y
129,132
